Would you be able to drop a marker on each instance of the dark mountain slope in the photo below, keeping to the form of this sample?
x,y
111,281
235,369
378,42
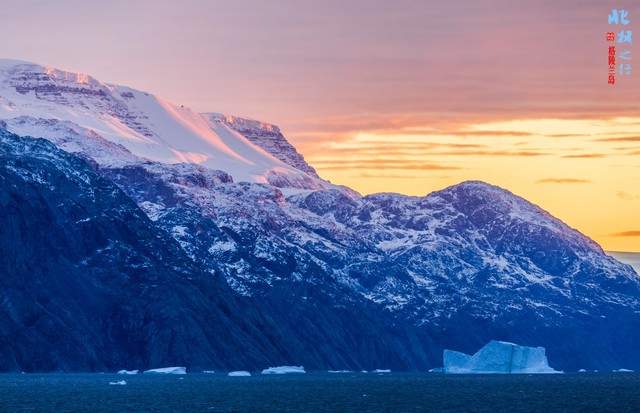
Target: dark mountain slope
x,y
89,283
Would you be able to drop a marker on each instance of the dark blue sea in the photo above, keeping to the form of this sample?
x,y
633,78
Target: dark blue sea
x,y
321,392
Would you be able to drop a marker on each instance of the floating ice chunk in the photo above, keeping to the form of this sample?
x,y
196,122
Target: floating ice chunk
x,y
284,370
623,371
339,371
168,370
498,357
240,373
582,371
209,371
118,383
382,371
436,370
128,371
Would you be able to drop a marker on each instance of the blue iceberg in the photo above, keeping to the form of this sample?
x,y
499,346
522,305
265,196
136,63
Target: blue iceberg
x,y
498,357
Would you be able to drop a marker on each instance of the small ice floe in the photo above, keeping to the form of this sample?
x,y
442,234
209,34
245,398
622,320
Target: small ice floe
x,y
582,371
339,371
436,370
167,370
128,371
363,371
209,371
382,371
623,371
118,383
240,373
284,370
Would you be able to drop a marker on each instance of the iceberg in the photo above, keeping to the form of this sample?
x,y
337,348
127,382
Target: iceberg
x,y
382,371
284,370
240,373
498,357
582,371
339,371
208,371
118,383
127,371
623,371
168,370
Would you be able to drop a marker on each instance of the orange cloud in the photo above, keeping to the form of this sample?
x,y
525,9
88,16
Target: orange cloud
x,y
381,164
627,234
623,139
586,156
563,181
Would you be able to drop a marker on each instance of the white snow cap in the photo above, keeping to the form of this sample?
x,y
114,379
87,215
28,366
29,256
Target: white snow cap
x,y
146,125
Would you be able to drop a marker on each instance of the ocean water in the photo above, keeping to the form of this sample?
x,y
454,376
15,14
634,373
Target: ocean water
x,y
321,392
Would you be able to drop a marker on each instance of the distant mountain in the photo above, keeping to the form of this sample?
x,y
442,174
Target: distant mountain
x,y
333,280
631,258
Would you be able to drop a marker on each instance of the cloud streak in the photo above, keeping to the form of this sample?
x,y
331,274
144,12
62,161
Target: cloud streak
x,y
585,156
382,164
622,139
634,233
563,181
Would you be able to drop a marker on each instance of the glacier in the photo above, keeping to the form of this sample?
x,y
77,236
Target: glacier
x,y
499,357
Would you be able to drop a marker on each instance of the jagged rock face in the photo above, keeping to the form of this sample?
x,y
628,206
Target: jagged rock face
x,y
268,137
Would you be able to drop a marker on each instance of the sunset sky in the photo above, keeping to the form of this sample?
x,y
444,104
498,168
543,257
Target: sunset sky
x,y
402,96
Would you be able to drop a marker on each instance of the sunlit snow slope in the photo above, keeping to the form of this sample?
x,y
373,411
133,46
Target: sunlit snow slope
x,y
148,126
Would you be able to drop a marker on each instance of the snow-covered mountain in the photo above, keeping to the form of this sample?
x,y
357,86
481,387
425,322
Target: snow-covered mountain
x,y
350,281
148,126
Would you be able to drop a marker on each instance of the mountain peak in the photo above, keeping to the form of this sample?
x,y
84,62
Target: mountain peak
x,y
266,136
